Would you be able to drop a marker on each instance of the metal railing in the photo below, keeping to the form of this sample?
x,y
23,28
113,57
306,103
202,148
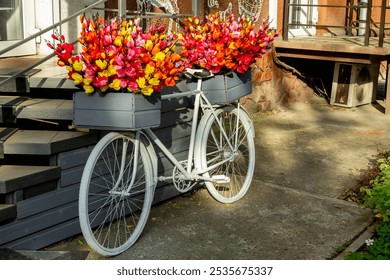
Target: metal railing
x,y
351,8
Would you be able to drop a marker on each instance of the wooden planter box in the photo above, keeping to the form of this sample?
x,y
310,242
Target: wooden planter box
x,y
116,111
221,89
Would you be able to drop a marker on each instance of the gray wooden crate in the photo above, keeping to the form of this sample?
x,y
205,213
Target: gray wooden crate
x,y
116,111
222,89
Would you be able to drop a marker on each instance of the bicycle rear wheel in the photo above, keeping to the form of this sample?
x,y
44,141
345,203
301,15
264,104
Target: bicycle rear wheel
x,y
232,156
115,198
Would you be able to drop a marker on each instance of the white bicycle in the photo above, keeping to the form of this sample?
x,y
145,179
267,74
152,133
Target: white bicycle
x,y
119,179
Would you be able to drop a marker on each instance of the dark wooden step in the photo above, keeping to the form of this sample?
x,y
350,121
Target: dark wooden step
x,y
22,107
8,107
7,212
17,177
5,132
45,109
52,83
19,84
40,142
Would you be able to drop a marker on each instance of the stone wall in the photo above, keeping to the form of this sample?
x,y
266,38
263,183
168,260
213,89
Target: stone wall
x,y
274,87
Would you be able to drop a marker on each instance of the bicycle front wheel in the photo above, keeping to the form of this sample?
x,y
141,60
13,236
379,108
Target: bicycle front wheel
x,y
115,198
226,145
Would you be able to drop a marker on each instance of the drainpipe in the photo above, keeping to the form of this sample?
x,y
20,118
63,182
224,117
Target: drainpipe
x,y
362,17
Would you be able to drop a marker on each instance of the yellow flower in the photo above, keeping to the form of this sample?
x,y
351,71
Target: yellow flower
x,y
149,70
118,41
78,66
147,91
154,81
101,64
149,45
87,81
141,82
159,56
110,71
88,89
115,84
78,79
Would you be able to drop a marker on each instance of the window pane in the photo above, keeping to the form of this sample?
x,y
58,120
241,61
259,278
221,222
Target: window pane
x,y
10,20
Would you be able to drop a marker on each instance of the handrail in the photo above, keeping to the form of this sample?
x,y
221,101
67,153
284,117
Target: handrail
x,y
32,66
348,27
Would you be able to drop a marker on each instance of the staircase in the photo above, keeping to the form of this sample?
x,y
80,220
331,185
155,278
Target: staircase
x,y
41,160
42,157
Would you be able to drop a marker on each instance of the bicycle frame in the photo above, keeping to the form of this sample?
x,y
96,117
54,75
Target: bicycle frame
x,y
201,102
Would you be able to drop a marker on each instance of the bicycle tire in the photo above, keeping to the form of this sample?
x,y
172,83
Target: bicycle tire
x,y
213,148
111,222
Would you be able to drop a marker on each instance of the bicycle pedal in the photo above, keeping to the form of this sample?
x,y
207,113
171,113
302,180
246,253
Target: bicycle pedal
x,y
220,179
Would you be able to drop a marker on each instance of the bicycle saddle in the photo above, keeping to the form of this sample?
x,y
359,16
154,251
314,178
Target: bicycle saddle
x,y
198,73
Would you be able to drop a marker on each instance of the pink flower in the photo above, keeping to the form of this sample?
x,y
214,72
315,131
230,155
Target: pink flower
x,y
100,81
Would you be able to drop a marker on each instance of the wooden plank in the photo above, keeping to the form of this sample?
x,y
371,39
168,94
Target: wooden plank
x,y
71,176
7,212
50,82
17,177
74,158
165,135
5,132
45,237
46,109
47,201
24,227
8,108
172,118
39,142
175,103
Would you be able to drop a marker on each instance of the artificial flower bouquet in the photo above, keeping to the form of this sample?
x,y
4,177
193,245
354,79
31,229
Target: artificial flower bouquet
x,y
222,45
117,55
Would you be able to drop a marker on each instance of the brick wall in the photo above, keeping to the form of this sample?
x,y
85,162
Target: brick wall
x,y
274,87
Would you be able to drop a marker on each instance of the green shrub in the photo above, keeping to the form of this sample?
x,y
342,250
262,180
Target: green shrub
x,y
378,195
379,249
